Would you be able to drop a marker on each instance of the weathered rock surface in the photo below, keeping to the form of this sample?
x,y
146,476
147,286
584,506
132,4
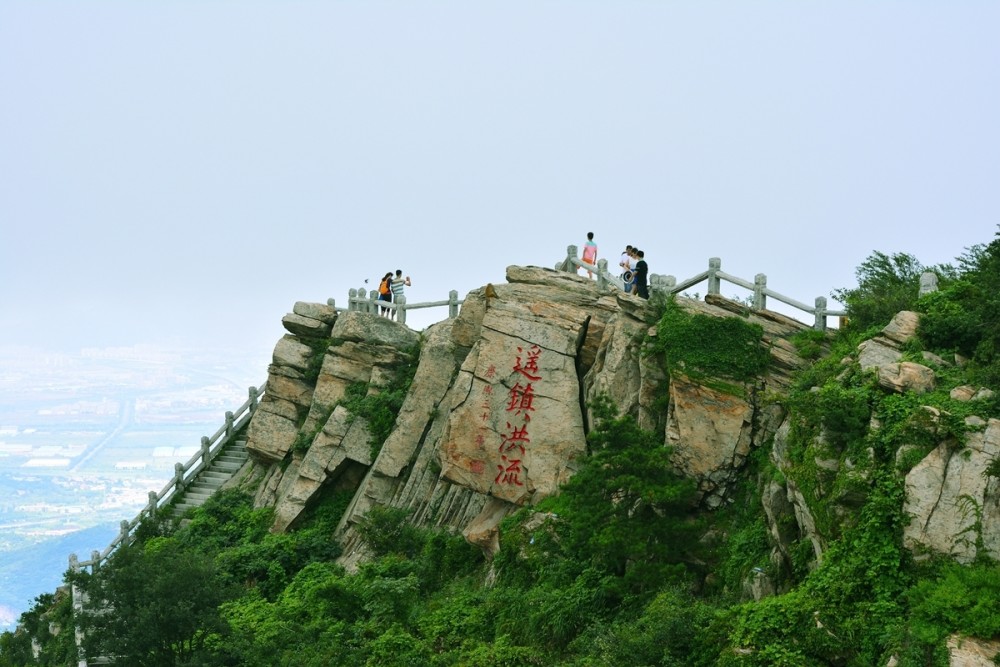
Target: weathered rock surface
x,y
310,320
972,652
952,502
495,417
882,356
710,432
906,376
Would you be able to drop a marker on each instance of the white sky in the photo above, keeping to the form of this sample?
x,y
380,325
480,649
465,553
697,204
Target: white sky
x,y
189,170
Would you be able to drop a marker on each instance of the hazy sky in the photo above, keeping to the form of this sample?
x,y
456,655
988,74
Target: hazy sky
x,y
189,170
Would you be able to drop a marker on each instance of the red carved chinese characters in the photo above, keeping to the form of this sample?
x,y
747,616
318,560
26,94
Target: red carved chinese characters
x,y
521,400
520,406
529,368
520,403
509,472
515,438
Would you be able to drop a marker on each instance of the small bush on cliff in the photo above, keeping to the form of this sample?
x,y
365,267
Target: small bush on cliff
x,y
705,347
380,409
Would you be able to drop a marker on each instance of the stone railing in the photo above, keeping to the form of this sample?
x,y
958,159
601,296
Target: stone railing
x,y
714,276
184,474
366,301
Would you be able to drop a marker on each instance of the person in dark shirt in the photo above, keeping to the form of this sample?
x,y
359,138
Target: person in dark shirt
x,y
640,273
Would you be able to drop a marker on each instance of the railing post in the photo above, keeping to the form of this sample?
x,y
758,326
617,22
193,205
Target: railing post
x,y
602,273
820,324
571,254
453,304
714,282
255,397
351,295
230,423
151,505
332,303
206,445
179,476
759,297
76,604
95,561
124,531
401,308
928,283
660,283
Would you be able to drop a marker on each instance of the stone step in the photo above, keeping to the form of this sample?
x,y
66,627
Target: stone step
x,y
185,505
230,460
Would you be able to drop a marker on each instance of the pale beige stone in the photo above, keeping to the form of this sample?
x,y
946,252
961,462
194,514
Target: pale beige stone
x,y
971,651
907,376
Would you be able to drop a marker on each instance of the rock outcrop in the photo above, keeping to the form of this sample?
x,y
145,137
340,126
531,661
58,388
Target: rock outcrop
x,y
954,506
496,416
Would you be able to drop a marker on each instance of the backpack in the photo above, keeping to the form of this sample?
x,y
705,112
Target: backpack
x,y
383,287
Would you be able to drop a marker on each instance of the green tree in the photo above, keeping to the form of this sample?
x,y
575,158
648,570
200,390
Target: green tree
x,y
887,284
628,511
159,604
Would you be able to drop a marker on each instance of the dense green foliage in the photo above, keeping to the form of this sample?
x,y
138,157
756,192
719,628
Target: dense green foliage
x,y
621,568
963,316
887,284
710,348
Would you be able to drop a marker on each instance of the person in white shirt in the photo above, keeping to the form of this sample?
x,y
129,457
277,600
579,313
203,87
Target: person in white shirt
x,y
397,288
626,262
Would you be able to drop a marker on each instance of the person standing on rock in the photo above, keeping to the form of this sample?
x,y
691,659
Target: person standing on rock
x,y
640,274
590,252
398,283
385,293
625,261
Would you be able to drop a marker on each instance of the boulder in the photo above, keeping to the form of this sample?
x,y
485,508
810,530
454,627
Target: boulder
x,y
874,353
906,376
903,327
950,499
972,652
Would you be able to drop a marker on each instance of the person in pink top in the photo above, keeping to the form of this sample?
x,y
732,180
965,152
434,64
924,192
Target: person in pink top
x,y
590,252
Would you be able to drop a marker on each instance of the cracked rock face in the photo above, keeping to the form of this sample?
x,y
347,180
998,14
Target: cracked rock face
x,y
710,432
947,490
496,416
515,428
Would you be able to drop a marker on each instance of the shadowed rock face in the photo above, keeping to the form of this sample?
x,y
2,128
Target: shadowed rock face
x,y
496,415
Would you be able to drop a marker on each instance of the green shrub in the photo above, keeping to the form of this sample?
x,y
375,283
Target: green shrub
x,y
387,530
959,598
947,323
702,346
887,284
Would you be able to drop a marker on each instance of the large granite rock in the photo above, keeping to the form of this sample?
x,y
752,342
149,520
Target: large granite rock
x,y
952,502
495,417
882,356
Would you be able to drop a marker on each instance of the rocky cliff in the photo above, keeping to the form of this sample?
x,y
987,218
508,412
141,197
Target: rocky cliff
x,y
496,418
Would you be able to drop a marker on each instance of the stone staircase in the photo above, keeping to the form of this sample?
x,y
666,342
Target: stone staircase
x,y
225,464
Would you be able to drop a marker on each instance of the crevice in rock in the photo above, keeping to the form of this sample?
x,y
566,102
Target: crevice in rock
x,y
937,501
580,372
